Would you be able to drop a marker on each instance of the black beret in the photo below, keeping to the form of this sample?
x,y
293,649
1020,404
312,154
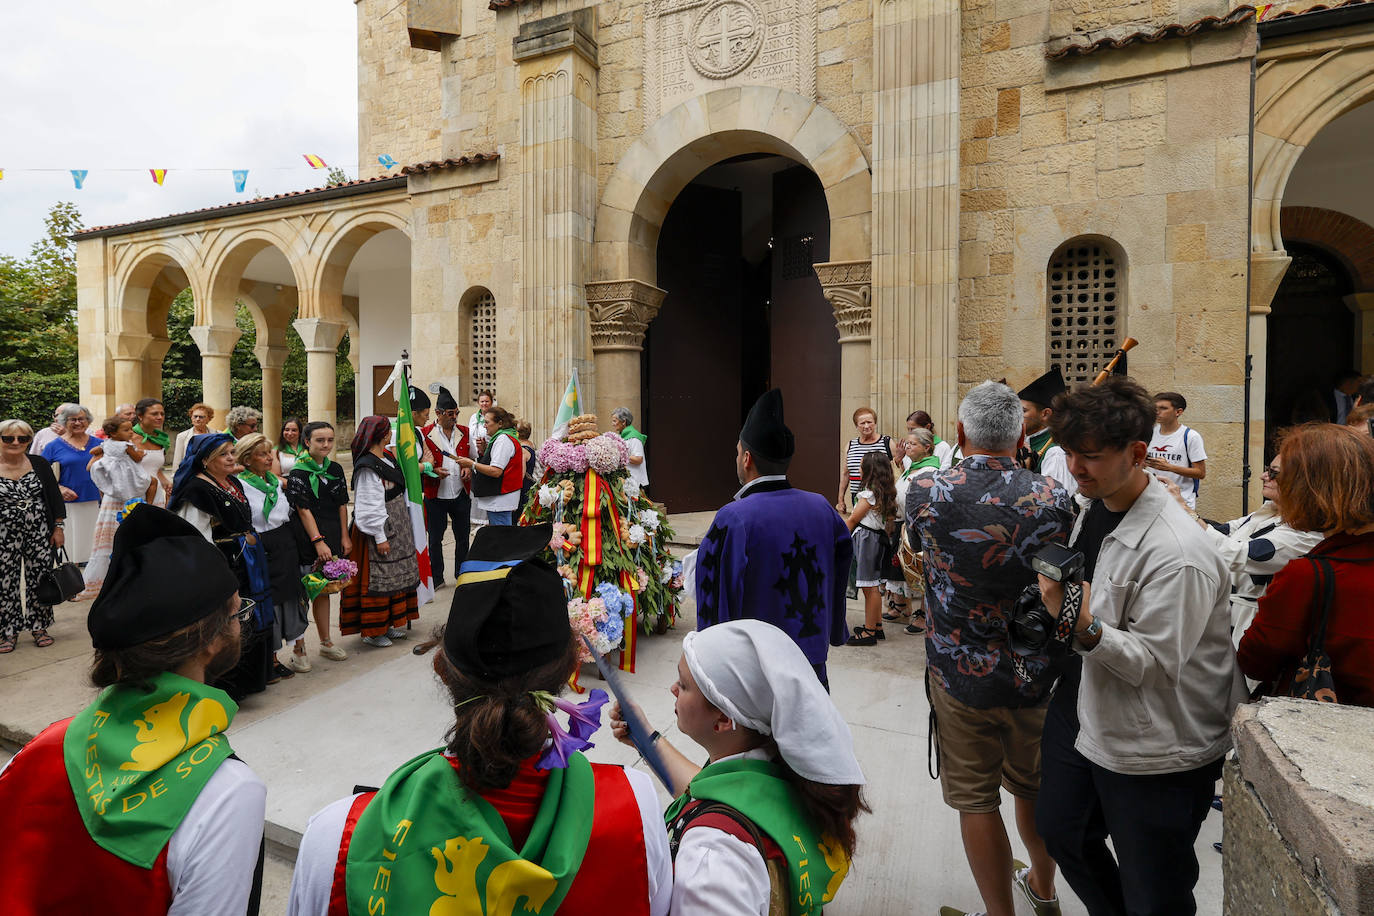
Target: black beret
x,y
510,611
764,433
163,576
1042,390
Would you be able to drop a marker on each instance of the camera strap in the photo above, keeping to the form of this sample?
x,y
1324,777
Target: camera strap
x,y
1063,627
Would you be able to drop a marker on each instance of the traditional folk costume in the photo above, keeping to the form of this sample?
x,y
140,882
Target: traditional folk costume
x,y
447,502
272,525
120,479
381,597
775,553
566,835
225,519
321,490
1042,455
741,839
495,495
135,804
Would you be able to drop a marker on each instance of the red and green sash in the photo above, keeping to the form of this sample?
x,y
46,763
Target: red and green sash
x,y
425,844
816,866
137,760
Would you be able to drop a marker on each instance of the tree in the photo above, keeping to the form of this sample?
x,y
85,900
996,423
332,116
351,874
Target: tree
x,y
38,299
337,176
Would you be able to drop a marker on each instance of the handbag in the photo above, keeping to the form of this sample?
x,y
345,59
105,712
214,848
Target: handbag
x,y
61,583
1312,678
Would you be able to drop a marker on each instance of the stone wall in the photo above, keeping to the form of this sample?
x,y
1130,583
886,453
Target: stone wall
x,y
1146,146
398,91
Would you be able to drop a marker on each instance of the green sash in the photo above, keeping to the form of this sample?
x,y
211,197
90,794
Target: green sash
x,y
158,438
137,761
629,432
929,461
816,865
425,844
316,471
268,489
295,451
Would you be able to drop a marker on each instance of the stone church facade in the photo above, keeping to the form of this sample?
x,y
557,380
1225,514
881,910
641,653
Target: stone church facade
x,y
910,196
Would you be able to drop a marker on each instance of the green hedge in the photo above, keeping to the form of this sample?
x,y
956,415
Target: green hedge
x,y
31,397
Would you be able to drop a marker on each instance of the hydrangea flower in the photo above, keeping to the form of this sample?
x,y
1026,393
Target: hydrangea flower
x,y
603,455
635,536
631,488
649,519
548,496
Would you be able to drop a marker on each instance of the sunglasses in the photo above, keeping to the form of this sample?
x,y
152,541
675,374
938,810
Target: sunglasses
x,y
245,611
1271,472
9,440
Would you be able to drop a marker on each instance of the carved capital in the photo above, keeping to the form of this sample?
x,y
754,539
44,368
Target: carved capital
x,y
620,312
214,340
847,286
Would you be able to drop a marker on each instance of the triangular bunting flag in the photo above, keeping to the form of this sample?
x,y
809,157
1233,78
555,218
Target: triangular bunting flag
x,y
159,176
315,161
79,176
240,180
1261,10
387,162
2,174
568,408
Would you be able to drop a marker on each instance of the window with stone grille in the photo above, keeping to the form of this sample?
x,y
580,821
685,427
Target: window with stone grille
x,y
480,324
1086,311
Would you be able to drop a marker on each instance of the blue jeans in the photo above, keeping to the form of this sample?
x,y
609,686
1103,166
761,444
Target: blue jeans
x,y
501,518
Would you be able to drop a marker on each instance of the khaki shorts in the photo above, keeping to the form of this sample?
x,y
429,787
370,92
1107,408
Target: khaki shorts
x,y
982,750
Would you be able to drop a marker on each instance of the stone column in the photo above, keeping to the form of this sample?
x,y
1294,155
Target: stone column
x,y
128,351
1362,304
846,285
620,314
216,347
557,60
915,208
271,359
321,338
152,366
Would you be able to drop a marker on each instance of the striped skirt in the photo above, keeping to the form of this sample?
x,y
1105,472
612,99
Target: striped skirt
x,y
371,615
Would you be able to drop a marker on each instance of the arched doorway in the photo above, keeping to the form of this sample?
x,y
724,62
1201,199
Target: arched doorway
x,y
743,312
1311,336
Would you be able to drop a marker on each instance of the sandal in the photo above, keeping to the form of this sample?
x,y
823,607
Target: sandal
x,y
41,639
6,646
863,636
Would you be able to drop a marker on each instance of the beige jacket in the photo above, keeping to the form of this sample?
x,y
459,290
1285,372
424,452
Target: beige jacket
x,y
1159,688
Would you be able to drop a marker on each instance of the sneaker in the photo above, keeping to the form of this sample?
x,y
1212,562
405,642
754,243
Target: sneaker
x,y
333,652
397,633
380,642
300,662
1021,881
279,672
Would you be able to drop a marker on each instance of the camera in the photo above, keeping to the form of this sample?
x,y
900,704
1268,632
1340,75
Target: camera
x,y
1032,626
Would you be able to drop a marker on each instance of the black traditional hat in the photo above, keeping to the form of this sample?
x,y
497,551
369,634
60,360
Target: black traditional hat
x,y
445,400
509,612
764,433
1042,390
418,399
156,554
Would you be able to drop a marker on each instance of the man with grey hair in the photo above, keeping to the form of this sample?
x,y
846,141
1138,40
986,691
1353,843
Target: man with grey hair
x,y
123,411
622,422
980,522
51,432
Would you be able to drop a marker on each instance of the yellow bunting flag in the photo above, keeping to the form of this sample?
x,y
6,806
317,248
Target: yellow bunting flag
x,y
159,176
1261,10
315,161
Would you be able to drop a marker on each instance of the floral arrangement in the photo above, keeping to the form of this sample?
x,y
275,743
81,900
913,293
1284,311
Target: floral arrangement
x,y
583,720
603,627
328,576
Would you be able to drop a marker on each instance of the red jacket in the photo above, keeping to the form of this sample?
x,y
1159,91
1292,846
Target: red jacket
x,y
429,484
1289,612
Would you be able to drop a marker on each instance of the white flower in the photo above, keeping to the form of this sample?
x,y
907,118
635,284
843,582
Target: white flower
x,y
665,575
548,496
637,535
649,519
631,488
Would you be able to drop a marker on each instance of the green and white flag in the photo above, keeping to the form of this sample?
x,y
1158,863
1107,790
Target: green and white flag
x,y
568,408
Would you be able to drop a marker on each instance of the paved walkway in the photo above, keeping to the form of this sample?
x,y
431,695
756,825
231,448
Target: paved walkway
x,y
315,736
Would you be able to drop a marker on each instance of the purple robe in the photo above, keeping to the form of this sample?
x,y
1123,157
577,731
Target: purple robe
x,y
782,556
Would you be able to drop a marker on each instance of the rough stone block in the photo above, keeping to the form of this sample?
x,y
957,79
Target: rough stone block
x,y
1008,110
1043,129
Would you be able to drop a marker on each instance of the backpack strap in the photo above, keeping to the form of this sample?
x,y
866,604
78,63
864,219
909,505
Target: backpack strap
x,y
733,822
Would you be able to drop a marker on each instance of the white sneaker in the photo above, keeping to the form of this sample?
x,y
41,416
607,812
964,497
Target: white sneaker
x,y
300,662
333,652
381,642
397,633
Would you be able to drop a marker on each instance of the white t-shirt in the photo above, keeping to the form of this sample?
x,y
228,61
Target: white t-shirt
x,y
503,451
319,853
1175,450
639,473
944,450
213,853
450,487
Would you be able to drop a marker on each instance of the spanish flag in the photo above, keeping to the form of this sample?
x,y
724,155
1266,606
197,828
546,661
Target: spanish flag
x,y
1261,10
315,161
159,176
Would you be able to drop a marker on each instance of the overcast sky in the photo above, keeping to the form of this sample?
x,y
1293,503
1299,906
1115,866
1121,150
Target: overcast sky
x,y
187,85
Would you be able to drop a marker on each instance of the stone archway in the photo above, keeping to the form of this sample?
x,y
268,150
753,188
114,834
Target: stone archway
x,y
623,296
146,279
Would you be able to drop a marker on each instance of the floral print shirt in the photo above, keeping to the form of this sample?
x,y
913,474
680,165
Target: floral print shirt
x,y
980,522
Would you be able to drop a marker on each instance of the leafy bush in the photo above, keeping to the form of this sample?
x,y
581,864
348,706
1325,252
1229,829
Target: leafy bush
x,y
32,396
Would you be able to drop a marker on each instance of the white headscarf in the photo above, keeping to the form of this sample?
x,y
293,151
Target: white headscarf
x,y
755,674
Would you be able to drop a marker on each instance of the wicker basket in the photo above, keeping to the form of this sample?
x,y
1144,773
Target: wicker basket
x,y
913,564
335,586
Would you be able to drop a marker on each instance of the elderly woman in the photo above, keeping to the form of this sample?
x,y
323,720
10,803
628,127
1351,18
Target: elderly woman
x,y
70,457
201,415
242,420
918,460
497,475
271,523
868,440
550,829
206,494
31,518
381,598
919,419
153,439
622,422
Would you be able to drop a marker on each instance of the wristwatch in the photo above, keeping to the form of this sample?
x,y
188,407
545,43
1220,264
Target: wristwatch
x,y
1093,630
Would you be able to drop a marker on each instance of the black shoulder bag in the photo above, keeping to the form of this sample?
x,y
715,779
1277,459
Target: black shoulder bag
x,y
1312,678
61,583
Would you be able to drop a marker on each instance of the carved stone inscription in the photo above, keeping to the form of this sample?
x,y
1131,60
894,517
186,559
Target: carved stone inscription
x,y
695,46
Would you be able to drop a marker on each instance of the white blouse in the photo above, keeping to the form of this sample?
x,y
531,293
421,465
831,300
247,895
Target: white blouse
x,y
369,503
257,500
